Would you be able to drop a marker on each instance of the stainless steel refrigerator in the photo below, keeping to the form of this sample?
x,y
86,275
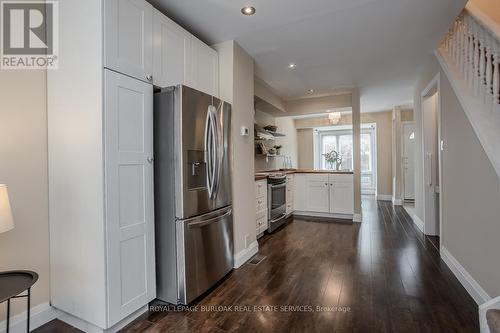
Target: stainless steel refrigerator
x,y
193,212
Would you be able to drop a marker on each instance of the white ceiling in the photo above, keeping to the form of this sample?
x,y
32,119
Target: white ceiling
x,y
376,45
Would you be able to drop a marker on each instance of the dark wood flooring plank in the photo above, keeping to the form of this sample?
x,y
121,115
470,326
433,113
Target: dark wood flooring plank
x,y
382,275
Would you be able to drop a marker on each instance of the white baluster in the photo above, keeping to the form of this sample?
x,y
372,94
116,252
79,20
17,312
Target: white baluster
x,y
465,51
489,67
470,59
482,58
476,59
456,39
496,75
461,44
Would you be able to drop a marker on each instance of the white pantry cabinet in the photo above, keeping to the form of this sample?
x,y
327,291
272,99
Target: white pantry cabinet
x,y
204,67
128,142
100,145
128,37
143,43
171,52
181,58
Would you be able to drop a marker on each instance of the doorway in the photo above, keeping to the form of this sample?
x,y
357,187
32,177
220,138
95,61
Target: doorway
x,y
408,160
431,142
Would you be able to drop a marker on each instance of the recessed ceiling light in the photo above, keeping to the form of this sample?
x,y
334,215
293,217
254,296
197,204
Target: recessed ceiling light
x,y
292,65
248,10
310,91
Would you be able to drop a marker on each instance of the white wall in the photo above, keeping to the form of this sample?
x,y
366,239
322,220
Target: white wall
x,y
470,187
286,125
23,167
237,87
263,119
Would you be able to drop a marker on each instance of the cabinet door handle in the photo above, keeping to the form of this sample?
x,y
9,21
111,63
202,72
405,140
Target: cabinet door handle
x,y
150,160
149,77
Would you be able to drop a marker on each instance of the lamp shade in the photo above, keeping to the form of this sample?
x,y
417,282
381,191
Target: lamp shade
x,y
6,221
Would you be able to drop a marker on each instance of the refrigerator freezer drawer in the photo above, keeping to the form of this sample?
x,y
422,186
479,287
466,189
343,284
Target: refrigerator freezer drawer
x,y
206,252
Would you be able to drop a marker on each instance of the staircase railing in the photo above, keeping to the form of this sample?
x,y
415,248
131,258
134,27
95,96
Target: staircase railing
x,y
470,57
475,49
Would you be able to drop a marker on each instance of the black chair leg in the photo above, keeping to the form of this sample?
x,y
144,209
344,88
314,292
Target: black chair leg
x,y
8,315
28,319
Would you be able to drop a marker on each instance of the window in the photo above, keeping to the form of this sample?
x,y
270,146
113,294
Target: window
x,y
340,140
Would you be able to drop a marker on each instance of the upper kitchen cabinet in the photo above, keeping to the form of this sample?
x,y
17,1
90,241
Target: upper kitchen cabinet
x,y
171,55
128,38
204,67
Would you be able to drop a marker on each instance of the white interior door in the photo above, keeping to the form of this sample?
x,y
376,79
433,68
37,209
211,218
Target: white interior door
x,y
408,161
430,158
129,194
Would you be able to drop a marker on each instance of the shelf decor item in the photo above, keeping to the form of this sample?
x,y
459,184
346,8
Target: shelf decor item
x,y
278,148
271,128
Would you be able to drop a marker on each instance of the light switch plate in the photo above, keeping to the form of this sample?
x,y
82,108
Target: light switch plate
x,y
244,131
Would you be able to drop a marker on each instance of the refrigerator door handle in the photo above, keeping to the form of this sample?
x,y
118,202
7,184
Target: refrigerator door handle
x,y
209,150
209,221
214,152
219,150
221,144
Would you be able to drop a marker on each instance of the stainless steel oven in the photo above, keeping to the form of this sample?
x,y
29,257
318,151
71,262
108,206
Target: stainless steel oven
x,y
276,201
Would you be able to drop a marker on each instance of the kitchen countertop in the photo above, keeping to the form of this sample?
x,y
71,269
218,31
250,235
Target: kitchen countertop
x,y
263,174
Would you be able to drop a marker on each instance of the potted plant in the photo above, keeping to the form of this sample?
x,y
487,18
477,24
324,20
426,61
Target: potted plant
x,y
332,158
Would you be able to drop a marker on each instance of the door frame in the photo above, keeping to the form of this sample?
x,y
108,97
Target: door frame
x,y
403,124
434,86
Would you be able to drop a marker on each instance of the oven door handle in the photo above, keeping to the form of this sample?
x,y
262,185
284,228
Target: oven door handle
x,y
278,186
278,218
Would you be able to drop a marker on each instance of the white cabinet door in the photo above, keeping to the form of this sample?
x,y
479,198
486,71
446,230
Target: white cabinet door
x,y
171,52
341,194
300,193
129,194
318,193
128,37
204,67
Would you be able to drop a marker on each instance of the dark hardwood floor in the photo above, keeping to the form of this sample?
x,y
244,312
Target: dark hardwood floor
x,y
381,275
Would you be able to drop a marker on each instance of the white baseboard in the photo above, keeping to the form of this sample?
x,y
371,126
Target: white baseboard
x,y
325,215
91,328
357,218
244,255
472,287
39,315
491,304
418,222
384,197
397,201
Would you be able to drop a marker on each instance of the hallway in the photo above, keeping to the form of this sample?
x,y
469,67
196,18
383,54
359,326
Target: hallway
x,y
378,276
